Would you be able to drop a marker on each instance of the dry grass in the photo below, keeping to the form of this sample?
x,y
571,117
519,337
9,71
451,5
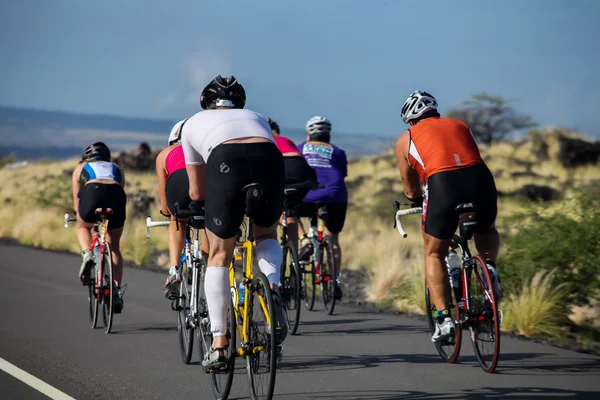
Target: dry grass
x,y
33,199
536,310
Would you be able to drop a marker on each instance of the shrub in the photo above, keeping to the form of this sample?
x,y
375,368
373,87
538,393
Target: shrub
x,y
537,309
569,245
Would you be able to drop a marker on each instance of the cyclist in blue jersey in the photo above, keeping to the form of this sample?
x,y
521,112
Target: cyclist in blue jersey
x,y
331,165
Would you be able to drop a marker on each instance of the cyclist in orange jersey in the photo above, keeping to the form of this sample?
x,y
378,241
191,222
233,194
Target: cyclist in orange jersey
x,y
442,155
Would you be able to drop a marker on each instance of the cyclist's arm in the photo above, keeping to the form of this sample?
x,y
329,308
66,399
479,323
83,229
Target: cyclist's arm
x,y
162,182
196,168
345,164
76,185
411,182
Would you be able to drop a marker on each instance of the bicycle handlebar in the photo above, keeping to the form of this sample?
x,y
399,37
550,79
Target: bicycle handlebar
x,y
152,224
68,219
187,213
398,214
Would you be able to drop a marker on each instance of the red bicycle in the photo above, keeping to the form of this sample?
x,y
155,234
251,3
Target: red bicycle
x,y
101,286
475,304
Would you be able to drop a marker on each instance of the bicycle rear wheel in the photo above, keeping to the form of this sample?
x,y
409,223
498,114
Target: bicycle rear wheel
x,y
328,275
220,381
448,350
483,313
108,286
184,329
309,288
94,293
291,287
261,360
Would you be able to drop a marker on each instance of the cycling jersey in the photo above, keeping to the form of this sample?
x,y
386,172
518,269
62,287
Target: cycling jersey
x,y
441,144
174,161
286,146
204,131
100,170
331,165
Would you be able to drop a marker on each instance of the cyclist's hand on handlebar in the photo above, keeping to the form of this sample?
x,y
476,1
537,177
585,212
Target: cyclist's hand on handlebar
x,y
418,202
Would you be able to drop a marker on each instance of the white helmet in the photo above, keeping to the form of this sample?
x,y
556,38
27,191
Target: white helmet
x,y
175,135
418,104
319,128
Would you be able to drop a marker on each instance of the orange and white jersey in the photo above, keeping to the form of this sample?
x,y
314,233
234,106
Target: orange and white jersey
x,y
441,144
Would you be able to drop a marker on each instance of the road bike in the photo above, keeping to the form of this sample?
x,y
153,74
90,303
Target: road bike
x,y
475,306
101,285
251,314
293,283
190,302
322,264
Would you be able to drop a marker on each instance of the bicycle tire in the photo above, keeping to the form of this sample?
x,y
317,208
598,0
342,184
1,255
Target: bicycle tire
x,y
309,287
108,289
260,288
291,286
484,313
220,381
91,299
95,293
448,351
328,281
185,332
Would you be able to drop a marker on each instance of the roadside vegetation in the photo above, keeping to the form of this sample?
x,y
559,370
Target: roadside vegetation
x,y
549,221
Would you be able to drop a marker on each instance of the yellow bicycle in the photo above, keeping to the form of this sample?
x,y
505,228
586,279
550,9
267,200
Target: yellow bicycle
x,y
252,314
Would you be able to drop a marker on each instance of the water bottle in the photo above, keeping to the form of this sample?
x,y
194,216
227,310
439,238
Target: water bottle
x,y
241,294
454,271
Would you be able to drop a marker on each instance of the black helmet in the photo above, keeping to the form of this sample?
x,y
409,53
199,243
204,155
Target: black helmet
x,y
273,125
227,90
96,151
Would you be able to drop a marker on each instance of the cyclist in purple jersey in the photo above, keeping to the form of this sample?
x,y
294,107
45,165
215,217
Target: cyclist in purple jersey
x,y
331,165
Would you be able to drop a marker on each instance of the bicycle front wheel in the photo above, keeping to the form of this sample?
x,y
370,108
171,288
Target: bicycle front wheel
x,y
108,291
328,276
483,312
261,360
309,287
291,287
449,349
184,329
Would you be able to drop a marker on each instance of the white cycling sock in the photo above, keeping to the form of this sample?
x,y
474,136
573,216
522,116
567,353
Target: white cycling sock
x,y
269,256
216,287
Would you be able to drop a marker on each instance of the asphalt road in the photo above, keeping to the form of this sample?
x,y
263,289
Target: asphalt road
x,y
44,330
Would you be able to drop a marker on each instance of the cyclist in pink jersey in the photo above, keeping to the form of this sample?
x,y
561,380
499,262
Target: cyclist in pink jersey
x,y
297,171
173,187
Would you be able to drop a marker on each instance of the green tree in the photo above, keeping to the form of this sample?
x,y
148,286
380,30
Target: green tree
x,y
490,118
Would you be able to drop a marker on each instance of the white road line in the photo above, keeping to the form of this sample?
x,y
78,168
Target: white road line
x,y
32,381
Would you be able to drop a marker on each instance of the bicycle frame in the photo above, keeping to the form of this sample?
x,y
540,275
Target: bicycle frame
x,y
191,253
99,231
247,247
99,239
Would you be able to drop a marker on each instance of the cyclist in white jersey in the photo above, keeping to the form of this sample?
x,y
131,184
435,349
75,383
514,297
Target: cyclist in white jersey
x,y
227,148
99,183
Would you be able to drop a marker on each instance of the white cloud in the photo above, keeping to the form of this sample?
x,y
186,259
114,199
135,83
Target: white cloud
x,y
202,68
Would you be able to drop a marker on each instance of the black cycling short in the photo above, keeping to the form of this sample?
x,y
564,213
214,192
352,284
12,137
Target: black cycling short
x,y
336,214
103,195
445,190
230,167
177,190
297,171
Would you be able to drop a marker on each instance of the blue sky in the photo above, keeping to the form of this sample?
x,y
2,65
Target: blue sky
x,y
354,61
